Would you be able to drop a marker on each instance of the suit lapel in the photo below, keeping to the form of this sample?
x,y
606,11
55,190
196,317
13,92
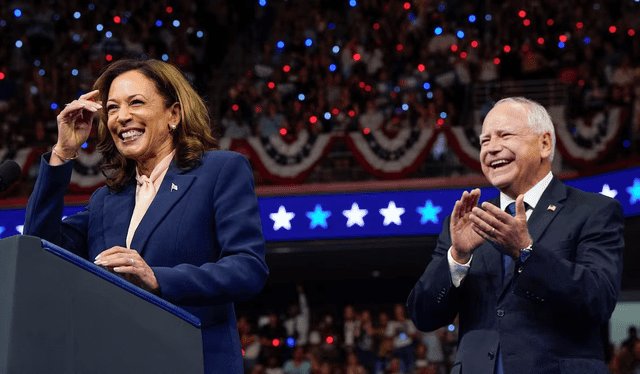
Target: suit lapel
x,y
173,187
117,212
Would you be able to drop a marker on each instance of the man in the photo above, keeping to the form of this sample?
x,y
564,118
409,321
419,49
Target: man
x,y
531,290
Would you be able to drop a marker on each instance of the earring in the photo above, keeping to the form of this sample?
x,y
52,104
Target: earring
x,y
172,128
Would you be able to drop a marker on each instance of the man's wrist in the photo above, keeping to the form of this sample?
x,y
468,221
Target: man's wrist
x,y
458,257
525,253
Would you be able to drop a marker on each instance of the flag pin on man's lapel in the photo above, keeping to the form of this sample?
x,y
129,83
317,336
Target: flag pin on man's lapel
x,y
174,187
551,208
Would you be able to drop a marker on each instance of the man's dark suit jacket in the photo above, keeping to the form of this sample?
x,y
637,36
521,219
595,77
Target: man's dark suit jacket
x,y
546,315
201,236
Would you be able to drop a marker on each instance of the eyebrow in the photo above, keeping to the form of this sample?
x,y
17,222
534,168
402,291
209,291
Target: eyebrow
x,y
128,97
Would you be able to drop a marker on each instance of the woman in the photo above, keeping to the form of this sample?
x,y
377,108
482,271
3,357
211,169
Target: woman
x,y
177,217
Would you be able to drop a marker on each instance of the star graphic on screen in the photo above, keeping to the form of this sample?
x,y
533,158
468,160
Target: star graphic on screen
x,y
318,217
20,229
355,215
392,214
429,212
2,229
282,219
634,191
607,191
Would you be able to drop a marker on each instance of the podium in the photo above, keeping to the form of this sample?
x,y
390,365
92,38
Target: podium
x,y
62,314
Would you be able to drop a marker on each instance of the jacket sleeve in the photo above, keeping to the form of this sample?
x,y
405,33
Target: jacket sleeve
x,y
585,284
434,301
44,210
241,271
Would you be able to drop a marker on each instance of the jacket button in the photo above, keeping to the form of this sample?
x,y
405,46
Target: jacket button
x,y
500,313
491,355
519,269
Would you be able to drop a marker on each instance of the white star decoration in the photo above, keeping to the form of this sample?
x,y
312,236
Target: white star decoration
x,y
607,191
355,215
282,219
392,214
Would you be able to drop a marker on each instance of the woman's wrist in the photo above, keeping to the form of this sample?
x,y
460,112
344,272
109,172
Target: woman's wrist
x,y
62,155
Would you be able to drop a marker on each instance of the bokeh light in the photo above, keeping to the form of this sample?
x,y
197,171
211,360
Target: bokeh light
x,y
438,30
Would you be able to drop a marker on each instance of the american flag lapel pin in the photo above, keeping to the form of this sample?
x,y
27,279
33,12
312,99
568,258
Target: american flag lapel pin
x,y
551,208
174,187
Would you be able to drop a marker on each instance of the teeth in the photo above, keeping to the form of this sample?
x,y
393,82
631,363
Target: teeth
x,y
499,162
130,134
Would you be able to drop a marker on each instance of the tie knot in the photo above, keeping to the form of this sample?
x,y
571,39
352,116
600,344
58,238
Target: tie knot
x,y
511,209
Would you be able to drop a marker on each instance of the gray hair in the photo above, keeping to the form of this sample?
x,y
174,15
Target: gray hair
x,y
538,119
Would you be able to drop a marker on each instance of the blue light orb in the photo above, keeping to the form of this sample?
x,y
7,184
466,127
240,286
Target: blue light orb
x,y
17,13
41,72
441,7
127,14
460,34
176,23
472,18
280,44
33,90
560,45
451,328
76,38
308,42
36,63
19,43
301,97
429,95
262,2
626,143
331,26
3,23
54,106
56,17
74,72
405,107
443,115
108,34
438,30
335,49
158,23
165,57
396,89
99,27
353,3
332,67
84,145
426,86
398,111
77,15
487,17
291,342
586,40
596,6
92,6
327,116
199,34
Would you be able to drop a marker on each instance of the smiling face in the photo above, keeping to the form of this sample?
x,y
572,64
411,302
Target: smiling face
x,y
513,157
138,119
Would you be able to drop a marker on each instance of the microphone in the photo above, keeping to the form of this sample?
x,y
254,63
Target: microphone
x,y
9,173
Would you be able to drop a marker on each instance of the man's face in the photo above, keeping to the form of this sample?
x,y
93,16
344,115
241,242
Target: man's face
x,y
513,157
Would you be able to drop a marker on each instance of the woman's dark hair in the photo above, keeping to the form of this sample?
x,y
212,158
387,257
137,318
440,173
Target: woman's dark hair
x,y
192,138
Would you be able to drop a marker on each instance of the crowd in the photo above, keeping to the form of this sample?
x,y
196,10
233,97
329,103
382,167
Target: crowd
x,y
306,339
269,67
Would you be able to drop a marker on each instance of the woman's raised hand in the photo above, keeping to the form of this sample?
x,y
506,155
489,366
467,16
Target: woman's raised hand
x,y
74,124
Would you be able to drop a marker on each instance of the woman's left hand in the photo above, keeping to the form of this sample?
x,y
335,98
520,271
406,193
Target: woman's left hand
x,y
129,263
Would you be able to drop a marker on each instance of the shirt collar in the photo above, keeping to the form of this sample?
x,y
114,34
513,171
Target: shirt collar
x,y
532,196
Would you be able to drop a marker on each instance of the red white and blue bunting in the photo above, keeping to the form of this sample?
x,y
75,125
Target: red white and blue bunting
x,y
581,141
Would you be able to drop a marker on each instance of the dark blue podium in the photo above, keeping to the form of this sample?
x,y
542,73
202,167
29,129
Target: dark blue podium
x,y
62,314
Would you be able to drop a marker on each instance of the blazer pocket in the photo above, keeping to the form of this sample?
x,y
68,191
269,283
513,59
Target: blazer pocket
x,y
582,365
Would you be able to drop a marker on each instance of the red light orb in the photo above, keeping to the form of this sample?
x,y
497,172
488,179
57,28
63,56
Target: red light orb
x,y
361,84
526,22
399,47
581,82
522,14
335,111
496,61
235,107
271,85
579,25
313,119
286,68
563,38
169,10
550,22
352,113
366,131
117,19
275,342
407,5
367,88
540,41
421,67
329,339
376,26
631,32
2,76
454,48
474,44
283,132
258,109
613,29
108,57
356,57
440,122
507,49
463,54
